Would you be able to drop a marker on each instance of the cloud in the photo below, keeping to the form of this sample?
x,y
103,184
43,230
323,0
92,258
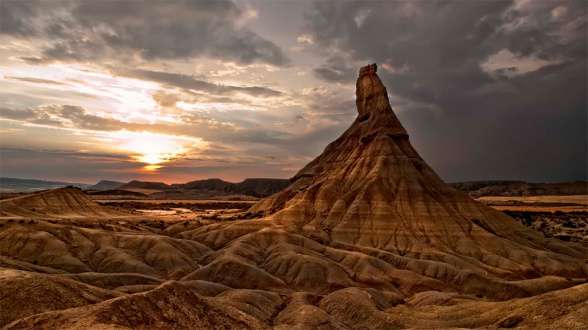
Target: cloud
x,y
124,30
189,82
190,125
337,69
486,88
63,116
504,60
305,39
36,80
15,15
89,167
275,143
16,114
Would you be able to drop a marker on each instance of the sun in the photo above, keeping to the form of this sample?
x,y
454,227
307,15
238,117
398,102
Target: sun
x,y
152,149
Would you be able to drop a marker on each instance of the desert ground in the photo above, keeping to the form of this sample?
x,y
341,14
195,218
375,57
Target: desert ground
x,y
366,236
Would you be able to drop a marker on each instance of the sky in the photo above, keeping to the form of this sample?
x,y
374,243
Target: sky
x,y
180,90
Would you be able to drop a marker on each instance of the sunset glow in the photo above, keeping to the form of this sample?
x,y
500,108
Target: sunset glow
x,y
154,150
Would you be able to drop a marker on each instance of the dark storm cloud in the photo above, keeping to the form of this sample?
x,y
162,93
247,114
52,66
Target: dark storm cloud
x,y
189,82
336,69
523,117
15,17
115,30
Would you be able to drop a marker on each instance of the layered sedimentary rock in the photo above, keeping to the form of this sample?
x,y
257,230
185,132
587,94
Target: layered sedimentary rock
x,y
370,188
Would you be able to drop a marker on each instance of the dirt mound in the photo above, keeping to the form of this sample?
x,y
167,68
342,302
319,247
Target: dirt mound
x,y
73,249
61,202
179,306
171,306
562,309
26,293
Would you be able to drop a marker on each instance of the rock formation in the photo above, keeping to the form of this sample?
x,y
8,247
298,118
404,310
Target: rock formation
x,y
370,188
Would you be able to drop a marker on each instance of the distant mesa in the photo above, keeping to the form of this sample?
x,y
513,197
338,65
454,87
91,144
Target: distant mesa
x,y
135,184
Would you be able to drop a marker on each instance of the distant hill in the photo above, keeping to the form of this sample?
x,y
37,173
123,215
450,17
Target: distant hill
x,y
260,187
135,184
253,187
106,185
256,187
521,188
30,185
205,185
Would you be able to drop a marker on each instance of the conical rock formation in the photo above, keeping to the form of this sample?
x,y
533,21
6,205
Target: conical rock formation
x,y
371,188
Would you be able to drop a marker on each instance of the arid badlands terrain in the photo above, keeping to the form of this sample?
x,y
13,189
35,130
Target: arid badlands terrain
x,y
366,236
